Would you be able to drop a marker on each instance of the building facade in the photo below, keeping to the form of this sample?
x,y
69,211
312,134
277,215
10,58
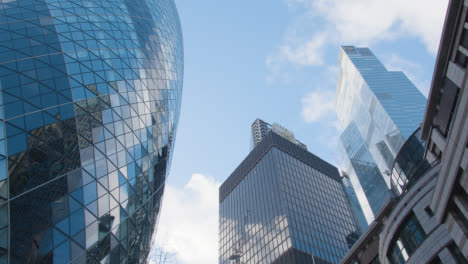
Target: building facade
x,y
90,97
362,169
445,126
284,205
379,109
355,204
428,220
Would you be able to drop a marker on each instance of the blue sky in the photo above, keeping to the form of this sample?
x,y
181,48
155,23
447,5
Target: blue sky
x,y
276,60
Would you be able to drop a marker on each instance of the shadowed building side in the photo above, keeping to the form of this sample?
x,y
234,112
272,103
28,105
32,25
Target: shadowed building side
x,y
284,205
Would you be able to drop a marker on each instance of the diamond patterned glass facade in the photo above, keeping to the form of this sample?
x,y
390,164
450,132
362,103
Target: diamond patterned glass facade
x,y
383,107
284,205
90,99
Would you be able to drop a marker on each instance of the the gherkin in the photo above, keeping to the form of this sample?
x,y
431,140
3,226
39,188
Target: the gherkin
x,y
90,98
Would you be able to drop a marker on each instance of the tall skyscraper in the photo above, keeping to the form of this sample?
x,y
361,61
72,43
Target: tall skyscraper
x,y
361,166
379,110
90,97
283,204
355,204
427,222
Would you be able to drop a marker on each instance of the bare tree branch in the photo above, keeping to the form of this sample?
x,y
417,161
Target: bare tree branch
x,y
159,256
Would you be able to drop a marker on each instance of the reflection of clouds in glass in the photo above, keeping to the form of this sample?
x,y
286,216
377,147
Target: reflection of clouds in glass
x,y
291,205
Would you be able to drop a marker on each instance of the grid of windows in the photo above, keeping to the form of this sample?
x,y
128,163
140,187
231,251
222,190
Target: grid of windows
x,y
319,214
384,105
282,207
90,99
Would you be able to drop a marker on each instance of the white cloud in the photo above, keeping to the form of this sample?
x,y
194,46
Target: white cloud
x,y
316,104
365,21
188,226
358,22
308,53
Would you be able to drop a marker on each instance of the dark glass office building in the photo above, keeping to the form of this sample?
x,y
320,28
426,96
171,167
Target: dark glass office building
x,y
90,97
284,205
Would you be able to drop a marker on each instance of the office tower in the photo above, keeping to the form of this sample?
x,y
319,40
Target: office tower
x,y
90,94
379,109
261,128
355,204
283,204
428,219
362,167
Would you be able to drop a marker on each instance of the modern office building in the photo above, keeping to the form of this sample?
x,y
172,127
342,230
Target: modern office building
x,y
283,204
379,110
261,128
428,220
360,166
90,97
355,204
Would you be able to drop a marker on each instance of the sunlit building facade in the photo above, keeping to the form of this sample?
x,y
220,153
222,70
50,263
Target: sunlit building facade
x,y
427,222
381,109
284,205
355,204
361,166
90,99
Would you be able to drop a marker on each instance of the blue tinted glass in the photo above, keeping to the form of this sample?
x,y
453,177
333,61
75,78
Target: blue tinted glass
x,y
59,237
76,222
62,253
17,144
64,225
52,56
90,193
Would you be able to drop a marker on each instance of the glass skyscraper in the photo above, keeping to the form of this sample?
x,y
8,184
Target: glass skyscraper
x,y
284,205
379,110
360,165
355,204
90,99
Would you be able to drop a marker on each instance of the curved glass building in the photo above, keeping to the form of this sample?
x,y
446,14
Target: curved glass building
x,y
90,99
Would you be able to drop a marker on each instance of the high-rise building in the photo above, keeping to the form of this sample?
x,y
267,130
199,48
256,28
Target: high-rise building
x,y
360,165
355,204
379,110
427,222
261,128
283,204
90,98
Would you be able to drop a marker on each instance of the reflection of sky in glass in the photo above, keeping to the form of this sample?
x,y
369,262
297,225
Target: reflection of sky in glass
x,y
379,110
385,106
283,203
90,99
362,170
